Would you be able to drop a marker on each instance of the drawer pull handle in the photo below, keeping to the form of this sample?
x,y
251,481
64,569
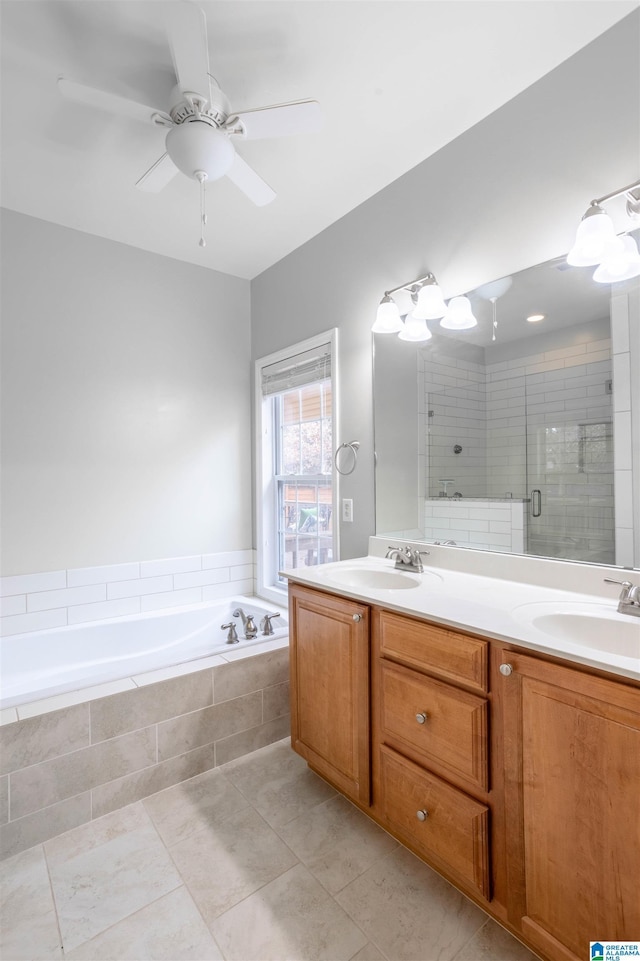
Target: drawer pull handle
x,y
357,617
422,717
506,670
422,815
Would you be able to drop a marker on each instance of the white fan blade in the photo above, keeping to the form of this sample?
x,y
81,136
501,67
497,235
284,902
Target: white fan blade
x,y
187,32
282,120
158,176
248,181
112,103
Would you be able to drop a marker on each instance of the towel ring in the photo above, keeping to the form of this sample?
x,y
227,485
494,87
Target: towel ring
x,y
352,460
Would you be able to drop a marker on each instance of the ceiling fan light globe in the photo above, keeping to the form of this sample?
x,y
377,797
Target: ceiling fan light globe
x,y
197,146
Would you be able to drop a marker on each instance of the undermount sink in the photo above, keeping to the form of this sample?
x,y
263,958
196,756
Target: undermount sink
x,y
592,625
372,578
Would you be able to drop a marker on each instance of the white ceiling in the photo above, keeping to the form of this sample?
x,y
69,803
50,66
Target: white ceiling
x,y
396,79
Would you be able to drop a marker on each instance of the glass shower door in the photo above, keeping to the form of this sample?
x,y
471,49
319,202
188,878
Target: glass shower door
x,y
570,479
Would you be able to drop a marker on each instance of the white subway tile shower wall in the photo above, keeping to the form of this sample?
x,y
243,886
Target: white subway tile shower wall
x,y
456,400
32,602
485,524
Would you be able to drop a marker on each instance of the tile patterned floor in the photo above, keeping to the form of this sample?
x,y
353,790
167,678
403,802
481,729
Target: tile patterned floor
x,y
256,860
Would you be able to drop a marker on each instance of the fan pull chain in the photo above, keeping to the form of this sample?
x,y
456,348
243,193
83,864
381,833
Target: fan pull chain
x,y
202,178
494,331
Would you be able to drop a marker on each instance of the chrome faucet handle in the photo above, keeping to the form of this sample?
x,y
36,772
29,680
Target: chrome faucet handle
x,y
415,556
266,625
626,586
629,600
232,636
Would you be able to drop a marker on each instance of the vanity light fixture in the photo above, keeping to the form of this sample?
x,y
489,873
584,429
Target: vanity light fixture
x,y
597,245
428,304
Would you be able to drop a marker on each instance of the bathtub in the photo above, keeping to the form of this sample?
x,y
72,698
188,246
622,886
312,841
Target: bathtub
x,y
58,660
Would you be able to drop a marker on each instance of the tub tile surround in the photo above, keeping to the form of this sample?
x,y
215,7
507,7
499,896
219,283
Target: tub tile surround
x,y
213,868
67,764
38,601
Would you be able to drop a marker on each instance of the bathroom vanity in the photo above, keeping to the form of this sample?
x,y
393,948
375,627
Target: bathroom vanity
x,y
510,768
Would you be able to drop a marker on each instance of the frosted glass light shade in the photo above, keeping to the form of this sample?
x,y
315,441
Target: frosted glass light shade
x,y
415,329
622,262
459,315
388,319
197,146
594,233
430,305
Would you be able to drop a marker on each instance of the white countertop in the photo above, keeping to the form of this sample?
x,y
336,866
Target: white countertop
x,y
495,605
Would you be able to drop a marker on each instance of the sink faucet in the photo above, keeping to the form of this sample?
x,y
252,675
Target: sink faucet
x,y
629,600
250,629
407,558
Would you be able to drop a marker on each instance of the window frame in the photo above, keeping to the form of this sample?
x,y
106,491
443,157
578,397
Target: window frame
x,y
265,472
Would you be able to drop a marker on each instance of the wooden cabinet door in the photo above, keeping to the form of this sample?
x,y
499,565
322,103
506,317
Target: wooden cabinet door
x,y
572,766
329,668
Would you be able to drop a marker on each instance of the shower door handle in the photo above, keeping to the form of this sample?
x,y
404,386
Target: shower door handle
x,y
536,503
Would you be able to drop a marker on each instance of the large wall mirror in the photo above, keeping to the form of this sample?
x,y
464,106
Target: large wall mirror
x,y
518,435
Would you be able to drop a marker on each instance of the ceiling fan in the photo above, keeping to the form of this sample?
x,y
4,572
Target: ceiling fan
x,y
201,124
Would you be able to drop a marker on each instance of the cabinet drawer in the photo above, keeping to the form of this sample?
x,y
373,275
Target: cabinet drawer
x,y
443,724
447,654
436,820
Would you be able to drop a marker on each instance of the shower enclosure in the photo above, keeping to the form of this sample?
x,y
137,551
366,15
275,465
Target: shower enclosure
x,y
518,453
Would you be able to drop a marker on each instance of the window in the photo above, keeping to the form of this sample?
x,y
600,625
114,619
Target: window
x,y
296,478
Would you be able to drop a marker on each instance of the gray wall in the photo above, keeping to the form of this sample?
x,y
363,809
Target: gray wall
x,y
506,194
126,431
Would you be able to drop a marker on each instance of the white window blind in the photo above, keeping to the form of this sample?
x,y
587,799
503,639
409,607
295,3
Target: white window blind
x,y
298,370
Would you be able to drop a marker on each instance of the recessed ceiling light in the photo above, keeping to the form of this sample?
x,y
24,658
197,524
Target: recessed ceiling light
x,y
534,318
